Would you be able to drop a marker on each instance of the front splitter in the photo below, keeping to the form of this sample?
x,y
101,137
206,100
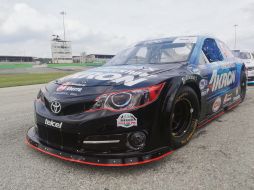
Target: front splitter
x,y
97,160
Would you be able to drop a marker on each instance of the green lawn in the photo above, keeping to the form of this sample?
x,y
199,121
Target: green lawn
x,y
14,66
27,65
96,64
8,80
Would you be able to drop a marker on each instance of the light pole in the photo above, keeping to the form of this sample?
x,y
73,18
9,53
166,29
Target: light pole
x,y
235,36
63,13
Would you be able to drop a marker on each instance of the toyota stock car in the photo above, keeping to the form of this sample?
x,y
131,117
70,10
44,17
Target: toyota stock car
x,y
140,106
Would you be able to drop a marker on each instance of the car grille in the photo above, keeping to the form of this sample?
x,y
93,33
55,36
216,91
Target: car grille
x,y
55,138
74,142
73,108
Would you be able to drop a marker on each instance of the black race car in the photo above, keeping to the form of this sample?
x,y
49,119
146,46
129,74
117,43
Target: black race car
x,y
141,105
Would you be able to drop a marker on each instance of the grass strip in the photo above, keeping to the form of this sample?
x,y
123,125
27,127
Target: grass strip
x,y
8,80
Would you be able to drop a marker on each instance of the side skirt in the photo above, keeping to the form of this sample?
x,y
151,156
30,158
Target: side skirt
x,y
213,117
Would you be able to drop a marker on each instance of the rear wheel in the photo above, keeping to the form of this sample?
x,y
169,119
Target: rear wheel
x,y
243,85
184,117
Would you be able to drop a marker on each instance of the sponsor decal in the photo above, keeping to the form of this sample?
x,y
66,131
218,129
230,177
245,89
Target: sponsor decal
x,y
228,65
203,87
227,98
236,97
53,123
129,76
73,89
189,77
203,84
62,93
127,120
61,88
66,87
237,91
55,107
204,92
221,80
217,104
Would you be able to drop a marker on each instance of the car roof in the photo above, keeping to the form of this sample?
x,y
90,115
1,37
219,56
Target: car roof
x,y
245,52
170,39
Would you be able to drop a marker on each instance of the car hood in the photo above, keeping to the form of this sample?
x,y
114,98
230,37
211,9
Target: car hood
x,y
249,63
111,78
126,75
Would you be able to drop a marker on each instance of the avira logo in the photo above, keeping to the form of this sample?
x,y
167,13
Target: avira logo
x,y
66,87
222,80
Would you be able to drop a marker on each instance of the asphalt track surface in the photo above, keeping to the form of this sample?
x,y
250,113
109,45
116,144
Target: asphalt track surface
x,y
220,155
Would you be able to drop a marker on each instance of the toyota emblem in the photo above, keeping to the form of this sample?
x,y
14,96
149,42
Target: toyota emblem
x,y
55,107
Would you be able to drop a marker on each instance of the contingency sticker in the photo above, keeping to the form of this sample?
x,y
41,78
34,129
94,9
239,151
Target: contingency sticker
x,y
127,120
189,77
217,104
227,98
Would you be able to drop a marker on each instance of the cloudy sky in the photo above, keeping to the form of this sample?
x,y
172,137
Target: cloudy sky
x,y
107,26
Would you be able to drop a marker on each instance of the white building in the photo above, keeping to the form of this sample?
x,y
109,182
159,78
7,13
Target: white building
x,y
61,51
83,57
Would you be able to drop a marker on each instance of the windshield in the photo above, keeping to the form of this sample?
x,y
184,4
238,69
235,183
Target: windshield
x,y
153,53
244,55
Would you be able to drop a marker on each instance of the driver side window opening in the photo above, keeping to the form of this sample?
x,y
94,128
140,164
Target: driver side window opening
x,y
212,51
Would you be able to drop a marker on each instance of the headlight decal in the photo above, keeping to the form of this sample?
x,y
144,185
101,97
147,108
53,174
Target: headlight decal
x,y
128,99
121,100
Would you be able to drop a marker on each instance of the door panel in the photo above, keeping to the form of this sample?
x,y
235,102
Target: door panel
x,y
220,76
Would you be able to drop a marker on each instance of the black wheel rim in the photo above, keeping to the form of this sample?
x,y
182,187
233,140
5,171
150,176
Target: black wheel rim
x,y
182,117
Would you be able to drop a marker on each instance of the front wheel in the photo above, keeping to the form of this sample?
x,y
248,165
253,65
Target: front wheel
x,y
184,117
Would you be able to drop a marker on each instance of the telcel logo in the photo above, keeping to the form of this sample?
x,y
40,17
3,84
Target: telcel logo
x,y
53,123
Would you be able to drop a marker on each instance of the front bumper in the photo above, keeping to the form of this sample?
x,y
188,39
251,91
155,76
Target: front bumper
x,y
119,159
250,77
250,82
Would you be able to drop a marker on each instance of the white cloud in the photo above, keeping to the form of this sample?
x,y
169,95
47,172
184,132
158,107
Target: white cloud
x,y
23,16
100,26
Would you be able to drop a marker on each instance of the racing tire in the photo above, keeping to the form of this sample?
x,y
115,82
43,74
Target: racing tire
x,y
184,117
243,85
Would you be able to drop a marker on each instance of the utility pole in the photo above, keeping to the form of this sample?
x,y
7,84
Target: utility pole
x,y
235,35
63,13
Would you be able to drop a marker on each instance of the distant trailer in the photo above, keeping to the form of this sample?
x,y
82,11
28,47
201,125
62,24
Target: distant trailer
x,y
98,57
16,59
